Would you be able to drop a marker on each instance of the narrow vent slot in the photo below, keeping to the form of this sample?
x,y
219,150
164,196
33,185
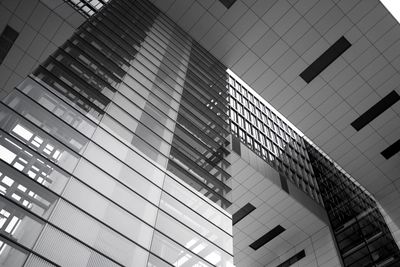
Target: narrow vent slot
x,y
293,259
241,213
375,110
391,150
321,63
267,237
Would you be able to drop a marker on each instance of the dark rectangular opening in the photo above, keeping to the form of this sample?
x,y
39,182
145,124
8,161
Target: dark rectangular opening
x,y
391,150
267,237
227,3
241,213
293,259
236,145
7,39
321,63
375,110
284,183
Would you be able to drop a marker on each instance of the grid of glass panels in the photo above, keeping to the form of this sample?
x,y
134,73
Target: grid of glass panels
x,y
361,234
84,144
87,7
271,138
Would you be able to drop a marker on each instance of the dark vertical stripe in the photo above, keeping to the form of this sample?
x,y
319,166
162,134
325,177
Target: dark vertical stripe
x,y
284,183
267,237
375,110
391,150
293,259
241,213
7,39
236,145
321,63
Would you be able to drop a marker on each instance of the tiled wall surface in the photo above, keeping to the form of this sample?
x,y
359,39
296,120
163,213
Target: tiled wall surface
x,y
320,252
43,25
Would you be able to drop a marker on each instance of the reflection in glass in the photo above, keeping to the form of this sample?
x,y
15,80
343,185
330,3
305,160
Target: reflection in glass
x,y
11,254
173,253
37,140
17,224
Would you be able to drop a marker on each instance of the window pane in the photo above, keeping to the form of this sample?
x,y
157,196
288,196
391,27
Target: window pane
x,y
108,213
192,241
173,253
17,224
11,254
119,193
129,156
195,222
198,204
98,236
118,170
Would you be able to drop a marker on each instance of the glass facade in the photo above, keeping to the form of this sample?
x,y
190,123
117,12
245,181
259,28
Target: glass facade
x,y
271,138
361,233
96,143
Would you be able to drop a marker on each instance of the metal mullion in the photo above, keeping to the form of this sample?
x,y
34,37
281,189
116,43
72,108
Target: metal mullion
x,y
193,111
157,30
199,94
99,64
85,31
207,113
72,59
206,126
200,171
202,155
152,38
96,94
96,53
191,177
82,98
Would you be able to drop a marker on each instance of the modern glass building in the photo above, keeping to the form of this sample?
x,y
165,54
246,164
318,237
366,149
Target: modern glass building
x,y
360,231
127,143
96,142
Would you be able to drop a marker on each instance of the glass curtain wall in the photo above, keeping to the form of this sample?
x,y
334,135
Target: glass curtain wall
x,y
362,236
85,142
271,138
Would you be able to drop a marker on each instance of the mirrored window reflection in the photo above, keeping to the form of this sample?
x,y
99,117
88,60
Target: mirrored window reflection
x,y
129,156
46,121
11,254
199,205
16,155
35,139
72,91
196,222
173,253
126,195
16,186
192,241
117,169
132,140
55,245
57,107
36,261
95,234
154,261
108,213
17,224
150,133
